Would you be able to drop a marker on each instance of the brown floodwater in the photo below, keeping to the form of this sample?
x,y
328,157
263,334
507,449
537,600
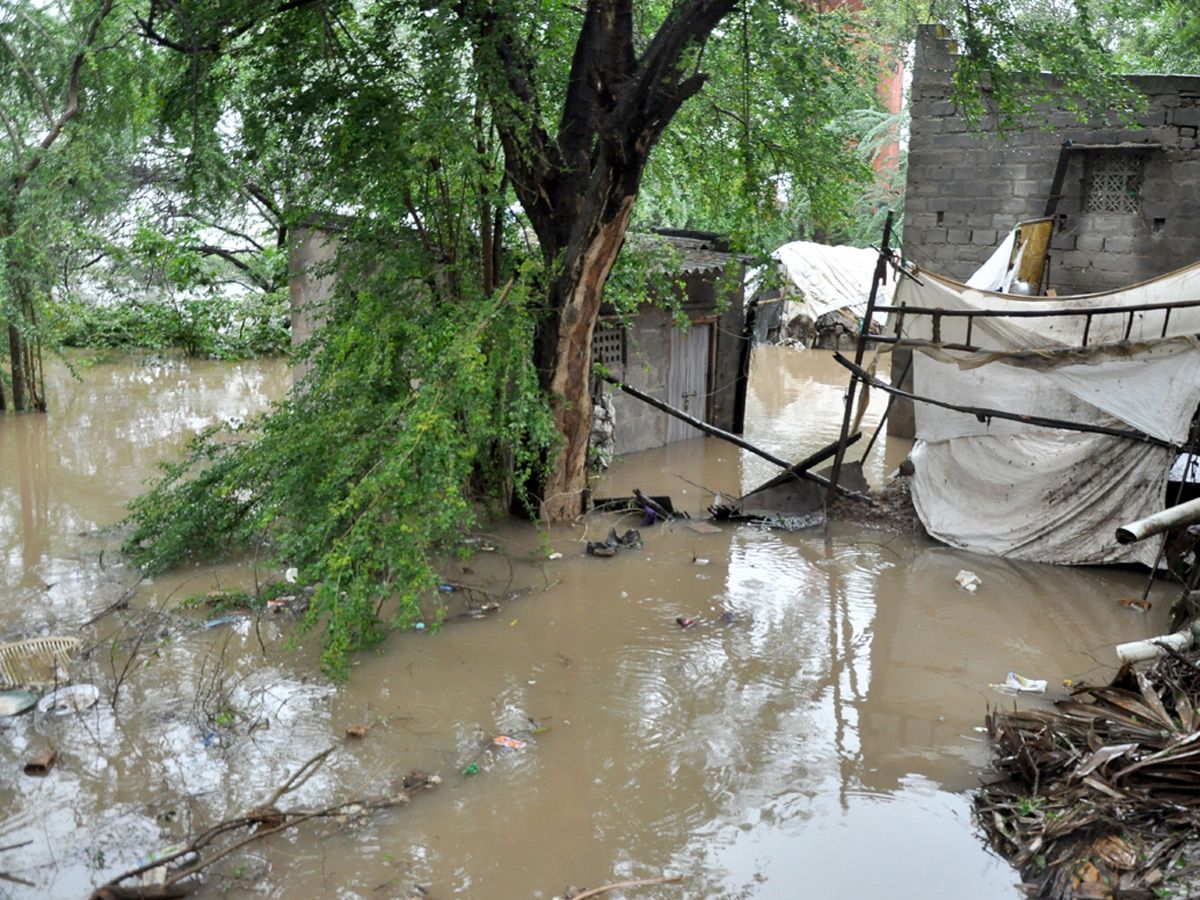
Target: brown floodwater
x,y
824,743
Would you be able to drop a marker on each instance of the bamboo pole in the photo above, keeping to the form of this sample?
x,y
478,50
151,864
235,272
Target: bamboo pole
x,y
798,470
732,438
859,350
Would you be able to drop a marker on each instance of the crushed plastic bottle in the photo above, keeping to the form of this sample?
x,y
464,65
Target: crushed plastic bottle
x,y
1019,684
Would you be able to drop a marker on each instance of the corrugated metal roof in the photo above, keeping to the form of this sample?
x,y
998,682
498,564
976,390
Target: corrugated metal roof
x,y
696,253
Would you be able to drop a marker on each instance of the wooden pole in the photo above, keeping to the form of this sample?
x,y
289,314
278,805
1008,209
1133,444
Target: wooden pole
x,y
798,470
887,410
864,332
743,376
732,438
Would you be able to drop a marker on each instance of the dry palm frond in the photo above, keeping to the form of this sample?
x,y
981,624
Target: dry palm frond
x,y
36,661
1101,794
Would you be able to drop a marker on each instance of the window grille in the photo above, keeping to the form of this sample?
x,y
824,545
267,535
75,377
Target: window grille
x,y
608,347
1115,183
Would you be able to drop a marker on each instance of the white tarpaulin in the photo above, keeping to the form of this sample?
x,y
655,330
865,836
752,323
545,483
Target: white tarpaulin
x,y
1030,492
827,278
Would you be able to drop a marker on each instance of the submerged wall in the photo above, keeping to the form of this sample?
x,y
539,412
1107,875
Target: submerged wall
x,y
1130,203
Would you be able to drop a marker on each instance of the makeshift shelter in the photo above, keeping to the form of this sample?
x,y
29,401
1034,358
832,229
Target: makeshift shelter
x,y
818,283
1123,366
694,369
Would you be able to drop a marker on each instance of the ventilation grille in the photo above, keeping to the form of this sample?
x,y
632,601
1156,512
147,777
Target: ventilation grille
x,y
608,347
1115,183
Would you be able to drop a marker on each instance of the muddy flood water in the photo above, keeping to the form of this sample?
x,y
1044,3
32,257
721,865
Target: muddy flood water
x,y
823,743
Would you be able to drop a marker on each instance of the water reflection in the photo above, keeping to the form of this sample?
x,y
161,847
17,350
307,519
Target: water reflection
x,y
821,739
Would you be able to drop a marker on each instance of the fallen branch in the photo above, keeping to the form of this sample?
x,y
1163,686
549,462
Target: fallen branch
x,y
266,821
595,892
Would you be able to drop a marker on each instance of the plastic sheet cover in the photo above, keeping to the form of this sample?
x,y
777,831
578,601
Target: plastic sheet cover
x,y
1044,494
828,278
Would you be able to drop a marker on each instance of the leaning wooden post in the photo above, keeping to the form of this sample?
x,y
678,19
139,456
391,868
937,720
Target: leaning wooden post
x,y
863,333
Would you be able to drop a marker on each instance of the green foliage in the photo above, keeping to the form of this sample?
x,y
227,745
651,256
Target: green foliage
x,y
767,152
67,139
1008,48
380,458
242,327
1151,35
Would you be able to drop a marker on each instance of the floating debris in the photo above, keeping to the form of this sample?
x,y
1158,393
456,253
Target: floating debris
x,y
73,699
36,660
1100,796
968,581
15,702
41,761
1019,684
1136,604
630,540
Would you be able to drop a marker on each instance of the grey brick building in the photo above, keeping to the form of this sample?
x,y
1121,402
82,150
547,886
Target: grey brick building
x,y
1129,205
1127,208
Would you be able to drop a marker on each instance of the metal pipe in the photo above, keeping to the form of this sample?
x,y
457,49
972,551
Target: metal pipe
x,y
1171,517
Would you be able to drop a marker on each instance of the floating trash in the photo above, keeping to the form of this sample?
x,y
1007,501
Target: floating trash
x,y
15,702
968,581
505,741
1019,684
45,654
1137,605
73,699
224,620
41,761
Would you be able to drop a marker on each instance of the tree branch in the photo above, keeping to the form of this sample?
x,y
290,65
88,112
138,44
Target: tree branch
x,y
10,127
72,104
217,44
33,80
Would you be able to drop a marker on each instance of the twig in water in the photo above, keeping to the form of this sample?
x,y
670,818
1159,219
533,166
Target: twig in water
x,y
595,892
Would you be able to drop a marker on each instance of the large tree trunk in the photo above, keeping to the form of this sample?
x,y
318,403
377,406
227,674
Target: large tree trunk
x,y
565,364
577,186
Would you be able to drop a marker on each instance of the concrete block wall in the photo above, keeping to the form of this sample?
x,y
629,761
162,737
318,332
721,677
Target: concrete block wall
x,y
312,249
966,190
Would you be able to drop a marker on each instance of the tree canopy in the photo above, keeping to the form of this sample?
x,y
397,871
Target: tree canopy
x,y
478,164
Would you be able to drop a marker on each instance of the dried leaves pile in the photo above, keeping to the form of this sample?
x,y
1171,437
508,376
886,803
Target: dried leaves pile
x,y
1101,794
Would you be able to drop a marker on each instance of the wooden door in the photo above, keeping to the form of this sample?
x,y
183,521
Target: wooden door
x,y
687,383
